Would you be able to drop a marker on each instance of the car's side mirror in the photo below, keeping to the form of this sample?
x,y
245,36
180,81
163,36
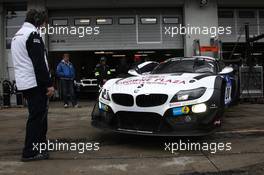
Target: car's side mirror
x,y
226,70
133,72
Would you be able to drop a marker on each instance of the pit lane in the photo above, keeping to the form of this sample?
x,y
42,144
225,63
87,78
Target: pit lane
x,y
128,154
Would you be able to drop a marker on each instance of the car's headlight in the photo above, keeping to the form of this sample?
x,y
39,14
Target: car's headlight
x,y
105,94
77,83
199,108
186,95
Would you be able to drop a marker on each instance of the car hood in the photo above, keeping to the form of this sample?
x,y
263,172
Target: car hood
x,y
160,83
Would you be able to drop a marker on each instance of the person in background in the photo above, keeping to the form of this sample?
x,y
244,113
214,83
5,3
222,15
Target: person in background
x,y
122,68
102,72
137,60
33,80
66,73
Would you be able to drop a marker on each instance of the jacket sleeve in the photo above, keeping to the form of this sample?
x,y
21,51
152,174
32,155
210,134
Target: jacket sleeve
x,y
108,73
96,71
97,74
59,71
36,51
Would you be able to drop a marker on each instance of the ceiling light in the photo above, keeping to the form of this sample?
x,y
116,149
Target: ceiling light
x,y
117,56
84,20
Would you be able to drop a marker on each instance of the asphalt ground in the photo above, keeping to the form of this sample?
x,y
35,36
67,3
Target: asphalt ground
x,y
243,130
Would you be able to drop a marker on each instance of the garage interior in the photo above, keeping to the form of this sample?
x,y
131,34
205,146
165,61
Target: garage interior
x,y
85,61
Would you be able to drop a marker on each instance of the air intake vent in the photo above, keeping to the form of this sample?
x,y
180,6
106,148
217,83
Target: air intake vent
x,y
123,99
151,100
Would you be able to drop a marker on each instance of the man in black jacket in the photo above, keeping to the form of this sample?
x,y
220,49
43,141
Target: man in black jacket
x,y
33,79
102,72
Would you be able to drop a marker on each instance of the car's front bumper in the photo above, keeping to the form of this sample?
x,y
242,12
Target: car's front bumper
x,y
149,123
155,127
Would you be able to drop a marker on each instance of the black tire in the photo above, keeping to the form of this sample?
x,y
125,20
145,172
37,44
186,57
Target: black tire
x,y
96,111
235,92
221,111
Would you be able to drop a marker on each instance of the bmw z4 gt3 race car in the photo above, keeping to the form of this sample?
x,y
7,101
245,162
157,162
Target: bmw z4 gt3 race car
x,y
179,97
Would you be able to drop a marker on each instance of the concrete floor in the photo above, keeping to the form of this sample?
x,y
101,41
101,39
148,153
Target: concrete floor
x,y
125,154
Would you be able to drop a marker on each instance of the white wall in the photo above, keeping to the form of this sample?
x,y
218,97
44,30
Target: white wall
x,y
197,16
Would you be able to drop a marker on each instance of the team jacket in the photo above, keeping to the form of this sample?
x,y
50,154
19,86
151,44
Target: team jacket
x,y
30,59
65,70
102,72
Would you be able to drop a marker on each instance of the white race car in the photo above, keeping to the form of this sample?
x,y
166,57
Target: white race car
x,y
180,97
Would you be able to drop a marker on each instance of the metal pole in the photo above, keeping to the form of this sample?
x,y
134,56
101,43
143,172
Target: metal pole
x,y
248,46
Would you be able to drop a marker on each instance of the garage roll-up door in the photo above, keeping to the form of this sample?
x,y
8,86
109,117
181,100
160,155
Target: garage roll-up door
x,y
237,18
123,29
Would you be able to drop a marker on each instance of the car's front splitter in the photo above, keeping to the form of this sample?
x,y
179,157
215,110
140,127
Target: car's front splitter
x,y
180,133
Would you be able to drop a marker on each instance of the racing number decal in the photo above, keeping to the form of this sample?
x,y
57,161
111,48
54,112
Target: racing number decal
x,y
228,90
228,93
180,111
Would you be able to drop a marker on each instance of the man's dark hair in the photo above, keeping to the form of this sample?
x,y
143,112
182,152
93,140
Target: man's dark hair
x,y
36,17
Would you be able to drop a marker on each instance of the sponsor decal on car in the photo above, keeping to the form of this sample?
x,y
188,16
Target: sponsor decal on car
x,y
228,89
151,80
103,107
175,104
180,111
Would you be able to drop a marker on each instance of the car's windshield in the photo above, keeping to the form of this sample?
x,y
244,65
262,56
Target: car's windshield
x,y
185,66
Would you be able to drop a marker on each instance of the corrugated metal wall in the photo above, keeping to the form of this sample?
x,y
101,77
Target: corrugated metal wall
x,y
117,36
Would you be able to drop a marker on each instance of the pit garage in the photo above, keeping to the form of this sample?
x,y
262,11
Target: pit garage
x,y
120,29
114,33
